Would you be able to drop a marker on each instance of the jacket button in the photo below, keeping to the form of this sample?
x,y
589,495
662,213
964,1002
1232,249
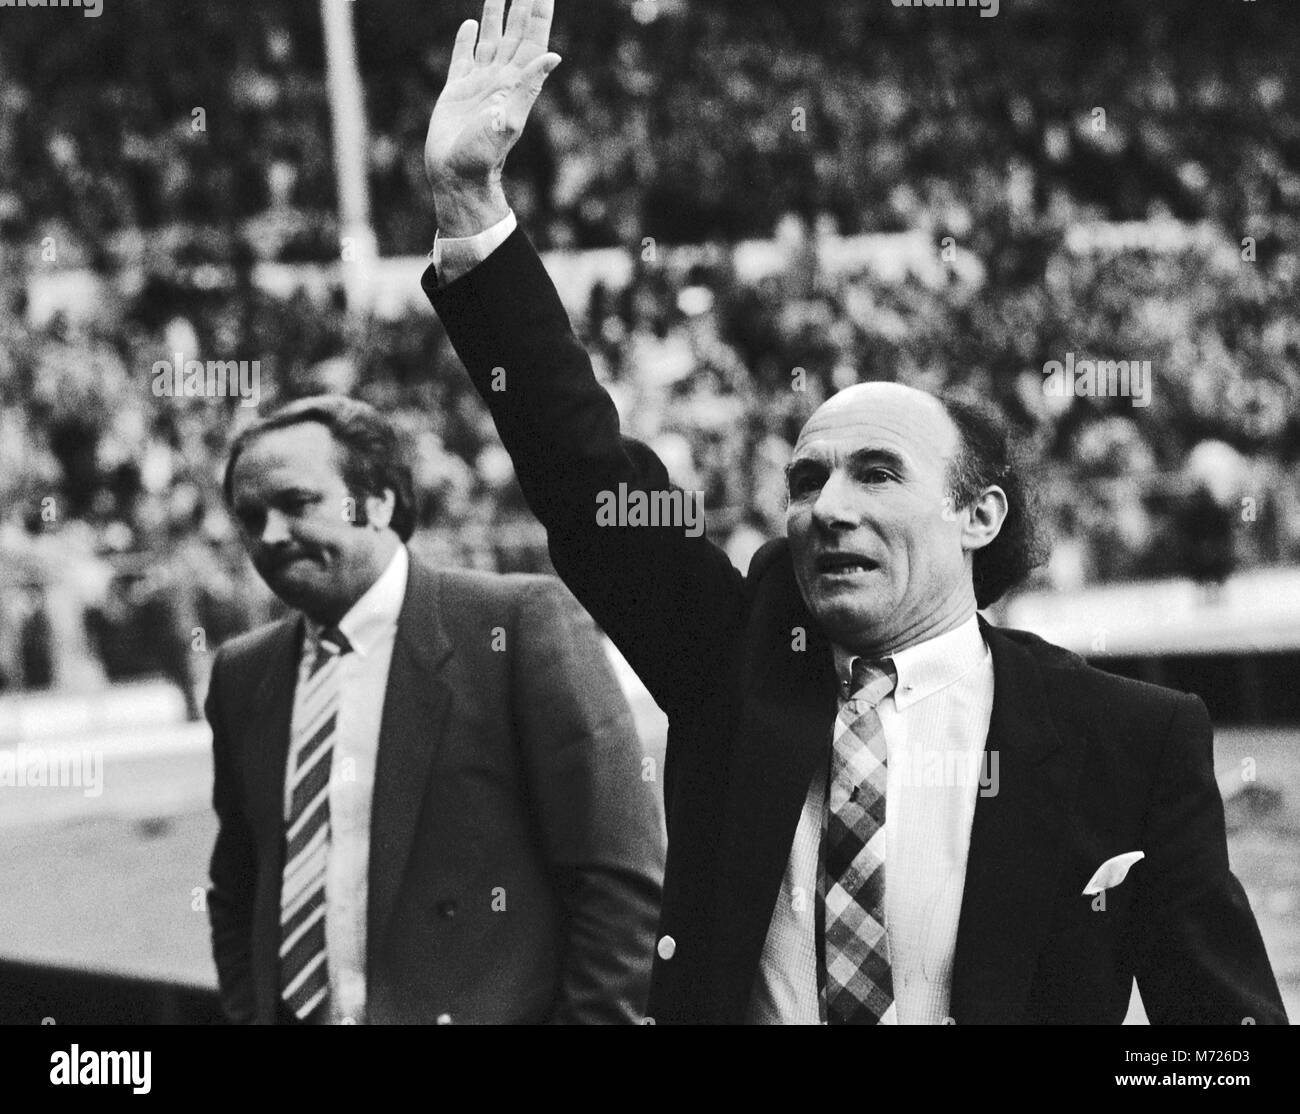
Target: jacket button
x,y
667,947
447,909
444,1019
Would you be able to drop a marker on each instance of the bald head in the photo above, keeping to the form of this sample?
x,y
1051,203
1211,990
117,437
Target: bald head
x,y
881,408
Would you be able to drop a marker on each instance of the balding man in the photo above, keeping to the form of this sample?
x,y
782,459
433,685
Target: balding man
x,y
881,809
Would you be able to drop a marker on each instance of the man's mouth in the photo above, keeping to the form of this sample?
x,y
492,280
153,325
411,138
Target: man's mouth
x,y
284,563
843,564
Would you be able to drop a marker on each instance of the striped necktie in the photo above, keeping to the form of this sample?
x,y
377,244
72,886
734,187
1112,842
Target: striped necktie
x,y
304,973
859,986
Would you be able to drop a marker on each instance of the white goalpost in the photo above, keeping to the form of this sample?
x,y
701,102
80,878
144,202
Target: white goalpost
x,y
357,247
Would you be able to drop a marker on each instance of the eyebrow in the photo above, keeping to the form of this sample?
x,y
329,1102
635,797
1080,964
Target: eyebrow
x,y
859,458
280,494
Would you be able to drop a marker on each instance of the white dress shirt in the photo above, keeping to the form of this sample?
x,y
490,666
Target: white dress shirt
x,y
371,629
935,724
454,256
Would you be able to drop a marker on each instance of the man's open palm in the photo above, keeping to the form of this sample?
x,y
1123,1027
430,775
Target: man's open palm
x,y
490,90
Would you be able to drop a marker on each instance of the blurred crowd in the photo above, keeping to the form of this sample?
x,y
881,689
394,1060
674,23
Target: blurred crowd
x,y
693,123
203,129
112,493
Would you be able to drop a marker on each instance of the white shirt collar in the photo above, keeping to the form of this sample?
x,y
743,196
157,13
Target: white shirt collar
x,y
928,666
374,616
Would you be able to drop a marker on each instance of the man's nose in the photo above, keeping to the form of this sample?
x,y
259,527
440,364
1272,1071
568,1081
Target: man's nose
x,y
276,528
835,506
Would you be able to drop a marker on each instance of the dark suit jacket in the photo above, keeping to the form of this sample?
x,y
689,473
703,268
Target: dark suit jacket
x,y
1091,765
508,774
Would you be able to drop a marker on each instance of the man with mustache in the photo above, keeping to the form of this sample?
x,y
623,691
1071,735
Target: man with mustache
x,y
1073,840
428,783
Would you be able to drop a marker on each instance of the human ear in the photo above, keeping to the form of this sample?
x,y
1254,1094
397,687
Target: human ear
x,y
983,518
380,509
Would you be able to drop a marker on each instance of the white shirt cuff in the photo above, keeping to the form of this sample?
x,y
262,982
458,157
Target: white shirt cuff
x,y
455,256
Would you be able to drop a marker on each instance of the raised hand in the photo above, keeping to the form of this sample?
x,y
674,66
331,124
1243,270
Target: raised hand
x,y
489,93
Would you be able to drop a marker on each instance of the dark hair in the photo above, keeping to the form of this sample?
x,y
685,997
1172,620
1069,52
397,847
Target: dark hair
x,y
372,454
987,455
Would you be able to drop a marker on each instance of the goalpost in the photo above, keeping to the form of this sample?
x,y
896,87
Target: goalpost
x,y
357,247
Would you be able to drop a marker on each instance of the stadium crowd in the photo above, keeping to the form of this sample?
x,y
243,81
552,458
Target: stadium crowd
x,y
114,547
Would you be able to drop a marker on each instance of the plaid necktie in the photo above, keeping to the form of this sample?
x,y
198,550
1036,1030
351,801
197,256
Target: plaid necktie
x,y
859,987
304,973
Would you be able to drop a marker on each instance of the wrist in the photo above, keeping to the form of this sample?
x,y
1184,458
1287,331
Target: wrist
x,y
466,209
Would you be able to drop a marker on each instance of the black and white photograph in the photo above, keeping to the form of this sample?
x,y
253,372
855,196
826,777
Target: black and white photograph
x,y
650,512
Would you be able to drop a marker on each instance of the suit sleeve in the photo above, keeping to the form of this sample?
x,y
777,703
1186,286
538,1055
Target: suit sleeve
x,y
232,871
666,598
600,821
1200,958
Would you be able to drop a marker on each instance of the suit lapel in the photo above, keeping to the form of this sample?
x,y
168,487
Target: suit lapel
x,y
1015,846
415,707
787,711
270,722
264,748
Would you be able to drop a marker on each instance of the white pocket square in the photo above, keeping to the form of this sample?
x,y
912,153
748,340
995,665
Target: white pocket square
x,y
1112,872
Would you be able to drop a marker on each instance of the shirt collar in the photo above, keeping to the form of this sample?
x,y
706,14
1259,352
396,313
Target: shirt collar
x,y
375,614
928,666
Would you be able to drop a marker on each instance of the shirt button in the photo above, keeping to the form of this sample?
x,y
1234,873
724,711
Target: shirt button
x,y
667,947
444,1019
447,909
